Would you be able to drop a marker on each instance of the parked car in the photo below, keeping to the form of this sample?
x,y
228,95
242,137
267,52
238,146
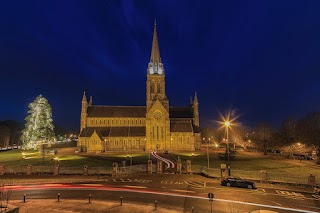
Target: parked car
x,y
238,182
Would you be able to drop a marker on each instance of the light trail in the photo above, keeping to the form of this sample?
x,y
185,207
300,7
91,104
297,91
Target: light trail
x,y
115,189
167,161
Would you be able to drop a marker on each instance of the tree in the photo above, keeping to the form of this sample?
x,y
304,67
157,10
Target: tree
x,y
288,132
38,128
10,132
308,130
262,136
4,136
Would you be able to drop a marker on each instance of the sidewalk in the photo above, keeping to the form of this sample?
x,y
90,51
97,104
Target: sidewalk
x,y
78,206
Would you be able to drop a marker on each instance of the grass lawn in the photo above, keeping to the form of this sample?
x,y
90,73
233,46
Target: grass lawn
x,y
243,161
14,158
254,161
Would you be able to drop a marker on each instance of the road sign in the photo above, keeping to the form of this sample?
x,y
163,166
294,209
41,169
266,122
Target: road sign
x,y
210,195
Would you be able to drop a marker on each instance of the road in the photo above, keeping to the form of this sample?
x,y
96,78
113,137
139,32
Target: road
x,y
183,191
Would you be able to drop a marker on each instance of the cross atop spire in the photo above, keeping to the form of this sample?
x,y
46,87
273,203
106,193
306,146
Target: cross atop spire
x,y
155,52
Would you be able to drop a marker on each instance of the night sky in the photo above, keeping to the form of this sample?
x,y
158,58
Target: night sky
x,y
259,57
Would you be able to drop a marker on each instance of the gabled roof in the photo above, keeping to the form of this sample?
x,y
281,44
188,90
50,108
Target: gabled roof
x,y
114,131
117,111
180,126
181,112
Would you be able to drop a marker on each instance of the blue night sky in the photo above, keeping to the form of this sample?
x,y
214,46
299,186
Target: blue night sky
x,y
260,57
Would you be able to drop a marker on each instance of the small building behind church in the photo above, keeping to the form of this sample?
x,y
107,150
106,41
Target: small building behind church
x,y
155,126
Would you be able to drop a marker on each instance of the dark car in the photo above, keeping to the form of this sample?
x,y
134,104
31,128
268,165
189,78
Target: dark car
x,y
238,182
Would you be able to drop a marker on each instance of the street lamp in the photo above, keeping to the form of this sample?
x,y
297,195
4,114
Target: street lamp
x,y
208,151
227,124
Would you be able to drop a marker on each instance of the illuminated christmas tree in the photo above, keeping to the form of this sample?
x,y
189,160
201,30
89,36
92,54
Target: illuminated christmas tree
x,y
38,128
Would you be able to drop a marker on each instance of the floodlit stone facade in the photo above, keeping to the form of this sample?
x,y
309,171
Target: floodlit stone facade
x,y
156,126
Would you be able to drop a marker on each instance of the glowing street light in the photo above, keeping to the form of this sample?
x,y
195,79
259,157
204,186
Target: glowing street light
x,y
227,124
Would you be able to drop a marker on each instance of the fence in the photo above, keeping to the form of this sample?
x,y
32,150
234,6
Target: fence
x,y
253,175
142,168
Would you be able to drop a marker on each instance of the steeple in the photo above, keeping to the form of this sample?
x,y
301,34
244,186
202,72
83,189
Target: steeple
x,y
195,98
84,108
84,98
155,65
156,87
196,110
155,52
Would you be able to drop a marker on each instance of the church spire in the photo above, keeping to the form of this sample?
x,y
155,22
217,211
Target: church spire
x,y
84,98
155,52
196,110
196,98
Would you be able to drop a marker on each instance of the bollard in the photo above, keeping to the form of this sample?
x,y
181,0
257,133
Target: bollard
x,y
155,205
58,197
120,201
24,198
89,198
192,209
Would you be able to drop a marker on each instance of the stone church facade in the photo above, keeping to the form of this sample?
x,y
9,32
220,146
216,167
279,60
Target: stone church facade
x,y
156,126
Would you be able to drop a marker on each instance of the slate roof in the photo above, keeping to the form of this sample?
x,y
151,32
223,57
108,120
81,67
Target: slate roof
x,y
135,111
179,126
117,111
115,131
181,112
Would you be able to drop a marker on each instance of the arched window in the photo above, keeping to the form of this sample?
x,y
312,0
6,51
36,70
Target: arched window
x,y
153,132
158,87
152,87
157,132
162,133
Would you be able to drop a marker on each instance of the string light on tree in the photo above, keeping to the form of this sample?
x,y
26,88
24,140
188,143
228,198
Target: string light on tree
x,y
38,128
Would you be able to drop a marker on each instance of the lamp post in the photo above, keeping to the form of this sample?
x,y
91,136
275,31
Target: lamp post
x,y
208,151
227,124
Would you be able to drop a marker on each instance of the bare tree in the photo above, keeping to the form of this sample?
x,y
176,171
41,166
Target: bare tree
x,y
262,136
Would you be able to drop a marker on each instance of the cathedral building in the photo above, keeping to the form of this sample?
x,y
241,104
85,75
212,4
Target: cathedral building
x,y
155,126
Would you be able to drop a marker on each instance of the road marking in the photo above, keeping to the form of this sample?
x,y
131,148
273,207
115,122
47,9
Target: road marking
x,y
291,195
127,180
